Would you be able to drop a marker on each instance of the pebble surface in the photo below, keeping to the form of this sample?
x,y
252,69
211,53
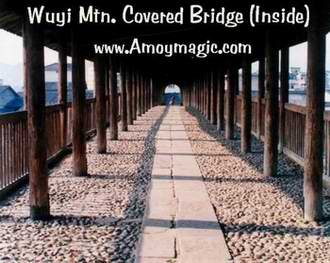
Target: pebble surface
x,y
96,218
262,217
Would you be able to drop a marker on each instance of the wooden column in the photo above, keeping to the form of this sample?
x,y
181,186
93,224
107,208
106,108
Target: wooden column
x,y
123,99
62,91
146,94
78,110
151,93
113,99
313,161
261,94
101,125
37,151
208,96
246,108
146,97
271,111
138,95
129,87
142,95
134,85
200,109
230,104
213,97
221,100
205,96
284,93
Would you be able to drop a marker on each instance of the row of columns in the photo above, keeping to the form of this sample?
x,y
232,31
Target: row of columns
x,y
208,95
136,98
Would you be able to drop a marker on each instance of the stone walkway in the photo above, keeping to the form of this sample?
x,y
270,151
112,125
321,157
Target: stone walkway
x,y
180,224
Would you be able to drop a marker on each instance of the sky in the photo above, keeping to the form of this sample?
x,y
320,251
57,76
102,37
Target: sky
x,y
11,55
11,52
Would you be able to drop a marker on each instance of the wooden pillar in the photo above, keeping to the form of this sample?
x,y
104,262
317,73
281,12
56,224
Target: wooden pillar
x,y
271,111
142,96
37,151
123,99
314,137
138,95
146,94
284,93
151,93
107,91
213,98
113,99
261,94
246,108
199,96
62,91
205,96
221,101
230,103
129,87
208,96
134,85
78,109
101,125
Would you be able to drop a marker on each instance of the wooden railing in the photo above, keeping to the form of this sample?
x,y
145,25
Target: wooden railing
x,y
14,139
294,131
254,117
293,144
13,148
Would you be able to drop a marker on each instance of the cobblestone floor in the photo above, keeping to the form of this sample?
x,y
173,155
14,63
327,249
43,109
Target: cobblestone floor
x,y
262,217
97,218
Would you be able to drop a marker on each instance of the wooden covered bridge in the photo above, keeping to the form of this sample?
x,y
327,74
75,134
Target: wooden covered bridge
x,y
34,142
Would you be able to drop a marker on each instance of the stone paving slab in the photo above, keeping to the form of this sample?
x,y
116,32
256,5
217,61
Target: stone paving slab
x,y
179,223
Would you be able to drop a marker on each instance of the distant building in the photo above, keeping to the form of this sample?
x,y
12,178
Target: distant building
x,y
51,78
327,80
51,72
9,100
52,94
297,79
254,82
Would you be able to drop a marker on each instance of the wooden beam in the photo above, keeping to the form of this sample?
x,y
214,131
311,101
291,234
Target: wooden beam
x,y
284,93
62,90
246,107
221,101
78,109
101,125
230,103
35,85
271,111
314,138
113,99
